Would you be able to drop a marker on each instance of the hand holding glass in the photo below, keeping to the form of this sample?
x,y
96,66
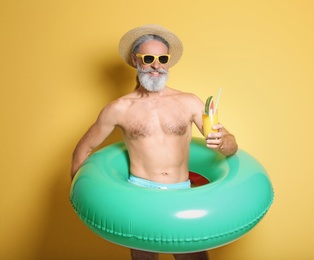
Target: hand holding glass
x,y
208,122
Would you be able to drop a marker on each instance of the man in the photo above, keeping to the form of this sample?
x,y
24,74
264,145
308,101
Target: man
x,y
155,120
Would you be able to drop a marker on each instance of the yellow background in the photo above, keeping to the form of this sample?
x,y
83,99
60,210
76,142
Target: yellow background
x,y
59,66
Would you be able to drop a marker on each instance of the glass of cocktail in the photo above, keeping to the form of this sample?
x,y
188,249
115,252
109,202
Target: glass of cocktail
x,y
209,121
210,115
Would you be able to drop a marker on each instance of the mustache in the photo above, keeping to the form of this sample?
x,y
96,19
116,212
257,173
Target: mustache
x,y
148,70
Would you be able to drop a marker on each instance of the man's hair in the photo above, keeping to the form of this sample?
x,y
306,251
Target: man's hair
x,y
145,38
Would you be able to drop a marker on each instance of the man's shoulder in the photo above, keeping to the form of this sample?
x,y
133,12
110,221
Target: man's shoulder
x,y
190,100
123,102
182,94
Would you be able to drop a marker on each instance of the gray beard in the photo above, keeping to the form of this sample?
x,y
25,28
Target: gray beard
x,y
151,83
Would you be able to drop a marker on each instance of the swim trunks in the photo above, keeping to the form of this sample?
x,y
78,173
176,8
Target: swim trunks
x,y
156,185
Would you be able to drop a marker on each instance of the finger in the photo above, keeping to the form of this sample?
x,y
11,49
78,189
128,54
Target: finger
x,y
213,146
218,127
214,142
215,135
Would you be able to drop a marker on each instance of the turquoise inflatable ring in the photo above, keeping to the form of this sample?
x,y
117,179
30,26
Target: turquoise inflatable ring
x,y
172,221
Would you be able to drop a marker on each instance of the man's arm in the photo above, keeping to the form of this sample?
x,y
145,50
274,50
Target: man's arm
x,y
97,133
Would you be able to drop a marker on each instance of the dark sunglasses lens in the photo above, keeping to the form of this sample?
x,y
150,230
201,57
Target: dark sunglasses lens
x,y
148,59
163,59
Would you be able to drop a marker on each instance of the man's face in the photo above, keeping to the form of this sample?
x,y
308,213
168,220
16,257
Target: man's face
x,y
153,77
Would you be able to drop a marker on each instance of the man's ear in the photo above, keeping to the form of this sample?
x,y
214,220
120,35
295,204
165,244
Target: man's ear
x,y
133,58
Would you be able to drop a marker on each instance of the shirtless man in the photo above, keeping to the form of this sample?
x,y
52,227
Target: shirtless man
x,y
155,120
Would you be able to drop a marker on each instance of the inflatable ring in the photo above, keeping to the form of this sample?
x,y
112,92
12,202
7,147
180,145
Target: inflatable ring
x,y
172,221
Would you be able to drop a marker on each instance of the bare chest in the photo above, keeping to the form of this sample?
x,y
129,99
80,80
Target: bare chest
x,y
150,123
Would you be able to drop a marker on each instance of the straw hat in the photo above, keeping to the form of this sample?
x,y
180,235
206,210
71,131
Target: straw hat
x,y
127,41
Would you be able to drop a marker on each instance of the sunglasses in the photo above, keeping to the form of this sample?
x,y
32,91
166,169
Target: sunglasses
x,y
149,58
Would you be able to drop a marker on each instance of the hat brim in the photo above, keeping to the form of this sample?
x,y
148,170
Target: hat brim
x,y
128,39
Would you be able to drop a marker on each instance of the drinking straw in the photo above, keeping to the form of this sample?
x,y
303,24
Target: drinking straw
x,y
218,97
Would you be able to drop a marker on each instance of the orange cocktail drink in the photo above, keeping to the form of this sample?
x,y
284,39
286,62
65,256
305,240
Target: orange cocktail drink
x,y
208,122
210,115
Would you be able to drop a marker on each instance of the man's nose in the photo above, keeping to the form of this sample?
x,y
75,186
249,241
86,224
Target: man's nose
x,y
155,64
